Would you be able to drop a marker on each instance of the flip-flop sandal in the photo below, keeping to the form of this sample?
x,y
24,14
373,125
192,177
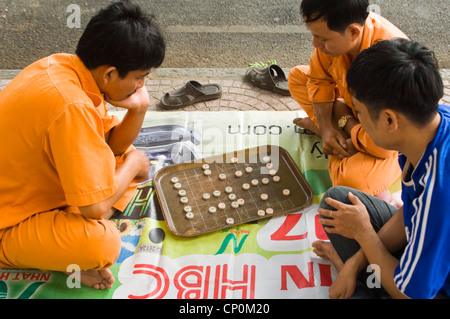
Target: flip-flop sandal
x,y
192,92
271,78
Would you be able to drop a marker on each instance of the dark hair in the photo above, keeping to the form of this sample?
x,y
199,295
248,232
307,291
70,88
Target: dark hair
x,y
122,36
338,14
398,74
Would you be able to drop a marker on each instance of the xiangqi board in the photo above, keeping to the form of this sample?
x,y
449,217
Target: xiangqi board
x,y
230,189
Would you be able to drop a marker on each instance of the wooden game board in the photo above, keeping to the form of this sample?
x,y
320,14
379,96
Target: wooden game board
x,y
191,179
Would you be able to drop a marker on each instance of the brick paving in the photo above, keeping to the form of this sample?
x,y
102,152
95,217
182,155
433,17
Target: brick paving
x,y
237,95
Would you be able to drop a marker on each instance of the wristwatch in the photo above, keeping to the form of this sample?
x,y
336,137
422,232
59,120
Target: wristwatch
x,y
343,121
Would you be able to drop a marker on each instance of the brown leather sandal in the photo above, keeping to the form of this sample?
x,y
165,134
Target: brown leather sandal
x,y
271,78
192,92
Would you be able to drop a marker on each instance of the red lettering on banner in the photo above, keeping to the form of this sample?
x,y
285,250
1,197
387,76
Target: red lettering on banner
x,y
26,276
325,275
300,280
246,285
297,276
289,223
4,275
189,289
161,277
320,233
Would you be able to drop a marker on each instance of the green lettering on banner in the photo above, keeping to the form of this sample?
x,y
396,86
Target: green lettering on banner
x,y
236,248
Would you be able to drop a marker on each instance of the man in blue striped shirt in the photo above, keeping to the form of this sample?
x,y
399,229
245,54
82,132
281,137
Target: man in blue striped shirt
x,y
396,88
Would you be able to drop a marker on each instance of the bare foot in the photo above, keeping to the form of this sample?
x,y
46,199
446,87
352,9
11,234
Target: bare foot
x,y
308,124
97,279
326,250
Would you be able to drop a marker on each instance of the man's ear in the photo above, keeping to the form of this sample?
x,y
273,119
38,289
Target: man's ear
x,y
390,119
109,73
355,30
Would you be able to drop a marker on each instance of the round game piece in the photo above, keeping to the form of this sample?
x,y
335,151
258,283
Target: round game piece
x,y
230,221
216,193
276,178
249,169
234,204
182,193
187,209
207,172
221,205
265,181
238,173
205,166
184,200
269,165
177,185
286,192
241,201
266,159
232,197
246,186
272,172
212,210
174,180
269,211
206,196
255,182
228,189
261,213
189,215
222,177
264,196
234,160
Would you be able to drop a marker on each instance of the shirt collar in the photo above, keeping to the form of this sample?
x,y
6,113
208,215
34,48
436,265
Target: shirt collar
x,y
367,37
87,82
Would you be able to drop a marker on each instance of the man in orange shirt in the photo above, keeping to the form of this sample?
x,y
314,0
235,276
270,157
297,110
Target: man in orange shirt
x,y
341,30
67,164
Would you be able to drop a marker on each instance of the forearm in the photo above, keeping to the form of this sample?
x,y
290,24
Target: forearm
x,y
377,254
392,237
124,134
324,113
341,109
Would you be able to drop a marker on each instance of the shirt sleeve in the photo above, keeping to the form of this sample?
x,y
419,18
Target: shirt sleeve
x,y
84,162
321,85
425,264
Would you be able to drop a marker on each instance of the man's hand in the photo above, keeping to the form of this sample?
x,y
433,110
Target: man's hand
x,y
137,101
334,142
139,160
349,221
124,134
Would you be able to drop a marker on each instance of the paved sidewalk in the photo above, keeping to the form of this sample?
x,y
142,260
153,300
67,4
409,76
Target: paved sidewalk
x,y
237,93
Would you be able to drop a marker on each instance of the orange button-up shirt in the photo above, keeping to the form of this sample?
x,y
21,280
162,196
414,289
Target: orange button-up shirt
x,y
327,72
53,122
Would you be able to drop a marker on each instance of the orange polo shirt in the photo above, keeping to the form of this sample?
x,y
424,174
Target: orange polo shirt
x,y
327,72
53,122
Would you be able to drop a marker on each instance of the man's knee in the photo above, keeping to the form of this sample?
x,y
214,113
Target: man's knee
x,y
103,247
297,76
339,193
